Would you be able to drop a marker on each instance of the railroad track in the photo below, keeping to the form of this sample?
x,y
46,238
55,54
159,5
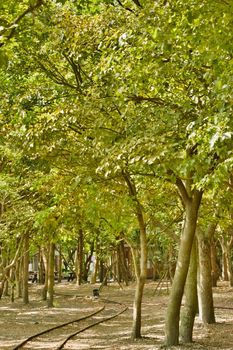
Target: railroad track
x,y
55,338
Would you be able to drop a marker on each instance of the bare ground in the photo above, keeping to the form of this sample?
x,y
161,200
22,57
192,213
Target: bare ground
x,y
18,321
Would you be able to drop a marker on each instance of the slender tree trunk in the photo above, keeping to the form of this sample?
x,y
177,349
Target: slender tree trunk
x,y
19,277
141,269
7,267
25,268
103,273
79,258
44,253
6,284
123,273
95,270
191,305
140,278
118,264
88,263
59,265
205,295
2,287
229,264
12,284
171,263
41,267
192,202
224,261
51,274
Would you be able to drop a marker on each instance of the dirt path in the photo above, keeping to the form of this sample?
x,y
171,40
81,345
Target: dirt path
x,y
18,321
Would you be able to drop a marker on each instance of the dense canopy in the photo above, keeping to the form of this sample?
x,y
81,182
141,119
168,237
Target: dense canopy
x,y
116,125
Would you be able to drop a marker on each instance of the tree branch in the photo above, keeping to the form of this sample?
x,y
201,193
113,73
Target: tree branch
x,y
13,25
182,190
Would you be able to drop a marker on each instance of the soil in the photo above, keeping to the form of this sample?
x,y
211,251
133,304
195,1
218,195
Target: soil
x,y
18,321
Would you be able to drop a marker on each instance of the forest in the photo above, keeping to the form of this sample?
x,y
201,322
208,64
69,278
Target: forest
x,y
116,150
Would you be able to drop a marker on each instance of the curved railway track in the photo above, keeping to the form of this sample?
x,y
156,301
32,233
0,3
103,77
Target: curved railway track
x,y
55,338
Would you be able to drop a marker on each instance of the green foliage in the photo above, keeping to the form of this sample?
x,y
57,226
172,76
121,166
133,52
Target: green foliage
x,y
92,89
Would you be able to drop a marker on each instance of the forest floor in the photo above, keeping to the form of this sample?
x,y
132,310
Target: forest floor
x,y
18,321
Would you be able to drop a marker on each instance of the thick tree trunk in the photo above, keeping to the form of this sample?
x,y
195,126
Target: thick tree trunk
x,y
214,264
191,305
192,204
51,275
205,295
25,268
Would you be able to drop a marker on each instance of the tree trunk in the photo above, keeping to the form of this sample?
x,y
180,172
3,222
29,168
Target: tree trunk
x,y
229,265
123,273
7,267
214,264
137,308
226,245
59,265
51,274
44,254
79,258
19,277
25,268
191,202
12,283
6,284
224,261
141,269
88,263
95,270
41,267
205,295
191,305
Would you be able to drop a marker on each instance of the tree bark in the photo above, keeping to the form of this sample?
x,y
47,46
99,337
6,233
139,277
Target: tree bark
x,y
25,268
141,269
226,245
59,265
44,254
191,200
123,273
41,272
19,277
205,295
191,304
51,275
88,263
79,258
95,270
214,264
